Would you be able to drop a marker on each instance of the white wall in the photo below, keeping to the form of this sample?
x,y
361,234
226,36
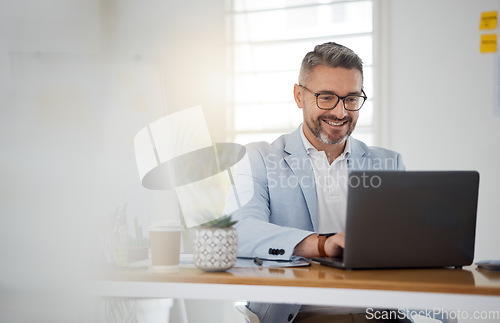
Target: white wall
x,y
440,98
78,80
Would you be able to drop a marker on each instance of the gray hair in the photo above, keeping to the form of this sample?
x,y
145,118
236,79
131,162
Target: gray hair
x,y
329,54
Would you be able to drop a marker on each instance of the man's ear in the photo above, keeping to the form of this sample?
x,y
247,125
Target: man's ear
x,y
298,96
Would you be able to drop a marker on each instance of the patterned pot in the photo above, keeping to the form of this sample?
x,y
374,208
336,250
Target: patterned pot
x,y
215,248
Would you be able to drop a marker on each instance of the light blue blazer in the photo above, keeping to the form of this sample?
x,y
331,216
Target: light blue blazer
x,y
281,208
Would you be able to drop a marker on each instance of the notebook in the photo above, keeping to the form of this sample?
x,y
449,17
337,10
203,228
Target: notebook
x,y
411,219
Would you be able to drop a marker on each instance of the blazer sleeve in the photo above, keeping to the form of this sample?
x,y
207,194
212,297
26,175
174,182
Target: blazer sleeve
x,y
249,203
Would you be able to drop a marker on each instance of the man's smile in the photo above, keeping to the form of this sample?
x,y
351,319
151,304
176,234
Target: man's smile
x,y
337,122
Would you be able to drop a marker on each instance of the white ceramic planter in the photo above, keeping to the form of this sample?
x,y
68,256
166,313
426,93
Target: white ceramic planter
x,y
215,248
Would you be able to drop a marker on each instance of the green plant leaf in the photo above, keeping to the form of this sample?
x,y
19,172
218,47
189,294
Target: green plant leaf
x,y
224,221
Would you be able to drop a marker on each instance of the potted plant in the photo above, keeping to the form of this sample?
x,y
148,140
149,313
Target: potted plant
x,y
216,244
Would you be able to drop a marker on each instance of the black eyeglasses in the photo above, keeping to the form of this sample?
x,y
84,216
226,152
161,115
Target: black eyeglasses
x,y
329,100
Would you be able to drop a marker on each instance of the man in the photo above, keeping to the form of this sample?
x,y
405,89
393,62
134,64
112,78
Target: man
x,y
298,184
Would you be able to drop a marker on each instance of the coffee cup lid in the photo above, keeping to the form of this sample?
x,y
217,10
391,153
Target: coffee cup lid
x,y
166,226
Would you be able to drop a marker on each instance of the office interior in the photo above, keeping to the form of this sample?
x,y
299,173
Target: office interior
x,y
80,78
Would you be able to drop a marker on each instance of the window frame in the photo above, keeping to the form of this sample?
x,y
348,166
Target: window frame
x,y
370,130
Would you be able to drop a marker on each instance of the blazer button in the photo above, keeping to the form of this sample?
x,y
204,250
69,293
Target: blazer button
x,y
271,251
282,251
290,317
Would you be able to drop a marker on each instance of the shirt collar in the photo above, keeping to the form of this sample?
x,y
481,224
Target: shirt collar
x,y
310,148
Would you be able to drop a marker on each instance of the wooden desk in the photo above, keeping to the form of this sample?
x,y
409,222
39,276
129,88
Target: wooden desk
x,y
469,289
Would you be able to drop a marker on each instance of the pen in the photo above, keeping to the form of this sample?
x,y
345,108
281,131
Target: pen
x,y
257,261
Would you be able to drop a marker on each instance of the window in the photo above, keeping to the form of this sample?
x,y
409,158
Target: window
x,y
266,43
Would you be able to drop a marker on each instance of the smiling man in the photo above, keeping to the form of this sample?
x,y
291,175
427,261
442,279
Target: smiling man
x,y
328,128
298,184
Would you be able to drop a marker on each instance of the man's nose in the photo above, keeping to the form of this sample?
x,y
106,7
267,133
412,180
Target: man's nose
x,y
339,110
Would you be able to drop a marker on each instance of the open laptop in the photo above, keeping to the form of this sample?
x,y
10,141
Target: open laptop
x,y
409,220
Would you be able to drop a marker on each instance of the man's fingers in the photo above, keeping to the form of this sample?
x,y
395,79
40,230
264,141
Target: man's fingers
x,y
334,245
341,239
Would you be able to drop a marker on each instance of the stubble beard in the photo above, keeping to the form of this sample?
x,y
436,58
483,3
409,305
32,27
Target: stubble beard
x,y
322,136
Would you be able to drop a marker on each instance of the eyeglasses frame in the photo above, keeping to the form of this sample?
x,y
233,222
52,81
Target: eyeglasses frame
x,y
317,94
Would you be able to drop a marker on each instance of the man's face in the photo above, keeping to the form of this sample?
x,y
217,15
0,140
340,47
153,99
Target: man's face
x,y
328,126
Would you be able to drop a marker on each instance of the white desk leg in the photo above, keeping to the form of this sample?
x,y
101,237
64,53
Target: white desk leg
x,y
182,310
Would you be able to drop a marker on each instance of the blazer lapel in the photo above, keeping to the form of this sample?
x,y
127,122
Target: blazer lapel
x,y
357,159
297,159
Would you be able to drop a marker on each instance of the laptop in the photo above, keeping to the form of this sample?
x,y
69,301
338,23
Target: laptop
x,y
413,219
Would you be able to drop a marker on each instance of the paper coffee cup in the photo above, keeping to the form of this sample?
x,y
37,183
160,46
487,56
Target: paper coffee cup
x,y
165,243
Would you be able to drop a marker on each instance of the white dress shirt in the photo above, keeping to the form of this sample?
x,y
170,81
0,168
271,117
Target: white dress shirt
x,y
331,186
331,189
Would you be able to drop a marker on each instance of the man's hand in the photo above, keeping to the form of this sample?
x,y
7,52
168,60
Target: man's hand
x,y
308,247
335,245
